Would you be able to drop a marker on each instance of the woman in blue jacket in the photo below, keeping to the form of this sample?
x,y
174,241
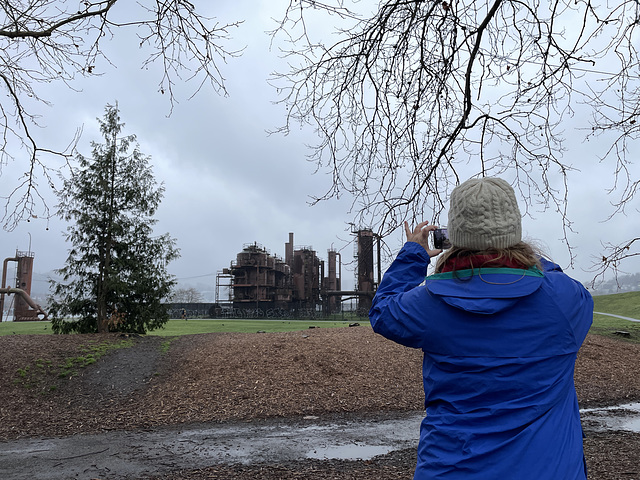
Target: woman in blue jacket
x,y
500,328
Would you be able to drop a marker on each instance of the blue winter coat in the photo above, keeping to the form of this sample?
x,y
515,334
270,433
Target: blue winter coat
x,y
499,353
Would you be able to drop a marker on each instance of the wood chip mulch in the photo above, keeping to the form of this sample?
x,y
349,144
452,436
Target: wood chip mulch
x,y
218,377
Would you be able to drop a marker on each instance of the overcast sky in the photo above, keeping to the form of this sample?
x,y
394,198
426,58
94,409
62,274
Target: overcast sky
x,y
229,183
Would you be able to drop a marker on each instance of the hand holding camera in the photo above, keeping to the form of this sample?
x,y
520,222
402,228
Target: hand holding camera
x,y
420,235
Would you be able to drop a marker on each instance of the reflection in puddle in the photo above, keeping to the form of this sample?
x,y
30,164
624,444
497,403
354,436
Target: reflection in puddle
x,y
633,425
350,452
619,417
312,438
263,441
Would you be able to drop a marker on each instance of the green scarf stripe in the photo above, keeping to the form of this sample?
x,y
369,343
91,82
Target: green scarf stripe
x,y
531,272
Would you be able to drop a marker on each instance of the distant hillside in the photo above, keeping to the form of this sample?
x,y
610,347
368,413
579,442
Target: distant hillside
x,y
624,283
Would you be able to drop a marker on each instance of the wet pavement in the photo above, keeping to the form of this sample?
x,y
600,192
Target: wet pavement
x,y
120,454
620,417
123,454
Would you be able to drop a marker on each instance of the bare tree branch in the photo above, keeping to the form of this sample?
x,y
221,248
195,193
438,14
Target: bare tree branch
x,y
411,98
53,41
56,23
617,254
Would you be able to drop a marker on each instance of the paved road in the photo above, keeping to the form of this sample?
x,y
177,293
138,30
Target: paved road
x,y
116,455
618,316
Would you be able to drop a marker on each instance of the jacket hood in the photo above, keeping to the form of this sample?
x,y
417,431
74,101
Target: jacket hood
x,y
484,290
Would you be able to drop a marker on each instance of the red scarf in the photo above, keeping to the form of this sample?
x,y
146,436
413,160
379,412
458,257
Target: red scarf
x,y
479,261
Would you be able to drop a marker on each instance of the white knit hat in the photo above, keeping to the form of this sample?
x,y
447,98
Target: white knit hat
x,y
484,213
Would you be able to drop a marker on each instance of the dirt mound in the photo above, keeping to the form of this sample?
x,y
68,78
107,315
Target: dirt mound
x,y
215,377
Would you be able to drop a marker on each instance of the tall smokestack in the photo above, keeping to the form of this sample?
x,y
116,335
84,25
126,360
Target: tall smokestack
x,y
288,251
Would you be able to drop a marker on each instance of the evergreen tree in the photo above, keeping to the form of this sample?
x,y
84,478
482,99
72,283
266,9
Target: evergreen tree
x,y
115,277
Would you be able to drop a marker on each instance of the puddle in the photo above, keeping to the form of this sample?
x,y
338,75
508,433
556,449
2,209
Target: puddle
x,y
133,454
619,417
350,452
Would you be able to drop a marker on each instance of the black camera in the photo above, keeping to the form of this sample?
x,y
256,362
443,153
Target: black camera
x,y
441,238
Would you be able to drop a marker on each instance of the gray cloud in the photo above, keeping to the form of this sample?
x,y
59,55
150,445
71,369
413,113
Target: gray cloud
x,y
229,183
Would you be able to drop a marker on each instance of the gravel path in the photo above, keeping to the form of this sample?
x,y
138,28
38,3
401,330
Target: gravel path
x,y
618,316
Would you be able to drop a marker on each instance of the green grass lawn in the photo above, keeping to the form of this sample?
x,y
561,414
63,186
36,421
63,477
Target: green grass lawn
x,y
625,304
190,327
25,328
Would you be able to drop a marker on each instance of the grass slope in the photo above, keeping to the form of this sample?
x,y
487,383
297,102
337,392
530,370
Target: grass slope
x,y
626,304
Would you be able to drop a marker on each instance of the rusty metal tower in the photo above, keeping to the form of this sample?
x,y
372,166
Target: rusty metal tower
x,y
24,309
366,284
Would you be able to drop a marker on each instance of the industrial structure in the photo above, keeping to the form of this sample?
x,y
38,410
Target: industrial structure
x,y
24,308
365,263
298,282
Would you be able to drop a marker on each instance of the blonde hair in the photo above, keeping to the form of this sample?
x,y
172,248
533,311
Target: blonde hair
x,y
521,253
